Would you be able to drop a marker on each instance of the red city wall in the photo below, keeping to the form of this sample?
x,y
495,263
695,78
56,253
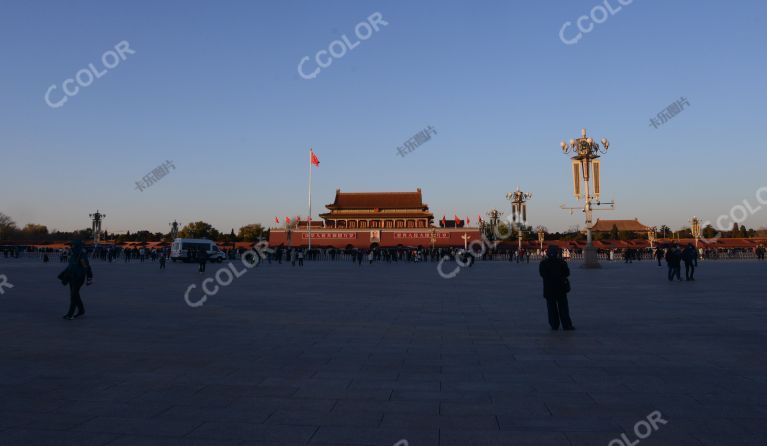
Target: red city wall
x,y
364,238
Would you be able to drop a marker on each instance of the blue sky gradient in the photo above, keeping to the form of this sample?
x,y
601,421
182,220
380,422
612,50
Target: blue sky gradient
x,y
214,87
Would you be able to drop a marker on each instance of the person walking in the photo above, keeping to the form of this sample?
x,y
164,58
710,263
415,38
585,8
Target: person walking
x,y
162,261
556,285
659,255
77,272
300,258
690,258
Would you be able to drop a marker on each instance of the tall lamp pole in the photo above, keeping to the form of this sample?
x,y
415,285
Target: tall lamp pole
x,y
651,236
695,229
495,216
585,163
96,226
541,236
173,230
519,210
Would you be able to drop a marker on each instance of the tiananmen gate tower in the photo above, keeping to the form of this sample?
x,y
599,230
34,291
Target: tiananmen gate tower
x,y
370,219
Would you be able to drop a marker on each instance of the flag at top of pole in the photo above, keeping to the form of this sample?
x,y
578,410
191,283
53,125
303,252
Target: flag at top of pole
x,y
313,161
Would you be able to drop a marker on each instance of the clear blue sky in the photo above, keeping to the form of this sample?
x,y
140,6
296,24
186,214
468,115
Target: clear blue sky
x,y
214,87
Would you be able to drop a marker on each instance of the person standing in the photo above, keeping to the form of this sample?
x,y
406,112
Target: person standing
x,y
300,258
556,285
659,255
674,262
202,259
162,261
690,258
77,272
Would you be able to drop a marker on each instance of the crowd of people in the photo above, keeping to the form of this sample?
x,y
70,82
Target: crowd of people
x,y
553,269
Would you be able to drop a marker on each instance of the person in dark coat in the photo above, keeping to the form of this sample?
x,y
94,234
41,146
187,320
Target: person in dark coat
x,y
556,285
674,262
202,259
75,274
690,258
659,255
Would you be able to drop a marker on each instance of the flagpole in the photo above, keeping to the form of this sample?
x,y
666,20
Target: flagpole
x,y
310,199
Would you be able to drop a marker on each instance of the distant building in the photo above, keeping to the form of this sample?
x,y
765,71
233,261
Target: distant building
x,y
622,225
367,220
377,210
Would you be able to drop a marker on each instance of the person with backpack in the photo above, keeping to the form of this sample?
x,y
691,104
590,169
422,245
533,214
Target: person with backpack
x,y
77,272
555,272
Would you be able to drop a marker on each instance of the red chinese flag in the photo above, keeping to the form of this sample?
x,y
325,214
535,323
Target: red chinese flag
x,y
457,220
444,221
468,222
287,220
479,218
277,220
314,159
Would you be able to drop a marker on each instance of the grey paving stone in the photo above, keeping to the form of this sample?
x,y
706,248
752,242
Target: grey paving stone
x,y
331,435
39,437
342,355
253,432
136,426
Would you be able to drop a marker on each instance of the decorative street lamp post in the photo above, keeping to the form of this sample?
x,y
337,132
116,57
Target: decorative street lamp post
x,y
519,210
465,238
695,229
433,238
495,216
541,236
173,230
651,236
96,226
586,163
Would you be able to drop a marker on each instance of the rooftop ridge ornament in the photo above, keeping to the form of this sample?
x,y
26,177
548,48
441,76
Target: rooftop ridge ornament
x,y
586,165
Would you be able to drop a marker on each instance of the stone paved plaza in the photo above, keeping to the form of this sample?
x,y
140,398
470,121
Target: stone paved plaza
x,y
340,354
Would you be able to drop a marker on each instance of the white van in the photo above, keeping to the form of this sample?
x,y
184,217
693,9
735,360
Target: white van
x,y
184,249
